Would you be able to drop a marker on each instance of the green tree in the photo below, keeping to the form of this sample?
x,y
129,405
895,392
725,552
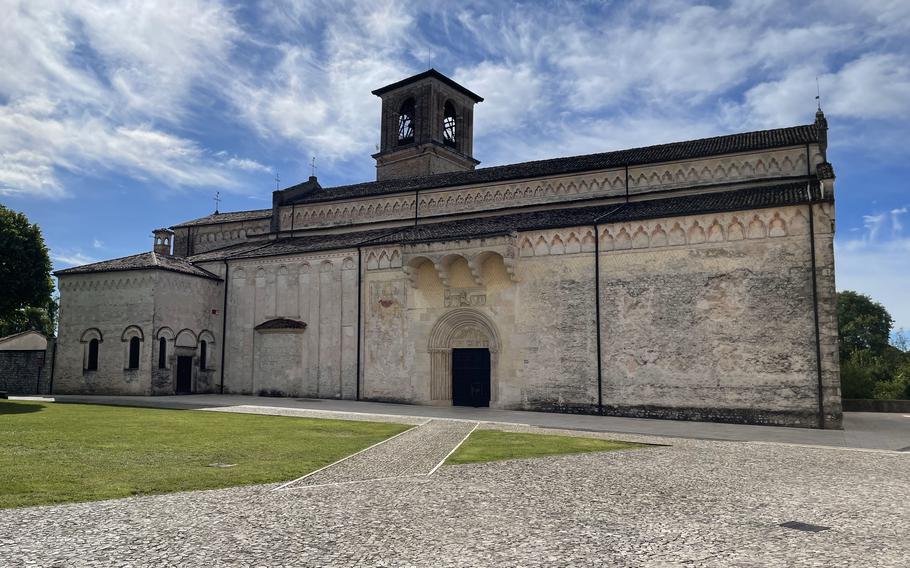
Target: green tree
x,y
863,323
25,277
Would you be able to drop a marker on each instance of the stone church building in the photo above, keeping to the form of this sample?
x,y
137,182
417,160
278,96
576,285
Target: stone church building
x,y
690,280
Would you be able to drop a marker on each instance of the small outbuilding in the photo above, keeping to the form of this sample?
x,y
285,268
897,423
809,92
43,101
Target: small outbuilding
x,y
24,363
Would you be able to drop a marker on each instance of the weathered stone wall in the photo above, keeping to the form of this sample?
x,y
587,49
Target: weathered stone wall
x,y
104,305
719,326
423,300
23,372
703,317
149,303
188,310
823,217
555,334
321,291
537,319
203,238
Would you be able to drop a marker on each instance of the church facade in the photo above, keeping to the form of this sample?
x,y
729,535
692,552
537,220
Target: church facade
x,y
691,280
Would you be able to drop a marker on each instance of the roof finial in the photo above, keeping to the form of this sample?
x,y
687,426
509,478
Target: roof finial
x,y
277,179
217,200
818,94
313,167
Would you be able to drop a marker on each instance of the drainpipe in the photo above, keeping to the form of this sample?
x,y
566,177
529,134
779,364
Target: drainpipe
x,y
50,386
224,325
627,183
818,341
600,398
359,318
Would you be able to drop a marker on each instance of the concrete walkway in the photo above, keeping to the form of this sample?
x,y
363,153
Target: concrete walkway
x,y
418,451
861,429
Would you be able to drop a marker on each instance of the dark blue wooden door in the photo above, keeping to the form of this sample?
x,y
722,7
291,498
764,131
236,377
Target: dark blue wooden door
x,y
184,375
471,377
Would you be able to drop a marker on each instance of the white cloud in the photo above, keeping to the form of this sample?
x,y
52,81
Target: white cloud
x,y
317,95
896,226
502,85
874,224
246,164
92,145
72,258
90,88
878,269
97,243
87,87
872,86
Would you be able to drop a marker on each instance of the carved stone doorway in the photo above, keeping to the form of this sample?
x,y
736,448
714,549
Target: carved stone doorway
x,y
461,329
471,377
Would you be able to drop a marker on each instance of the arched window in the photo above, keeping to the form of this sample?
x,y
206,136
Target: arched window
x,y
203,354
406,122
134,353
162,353
448,125
92,363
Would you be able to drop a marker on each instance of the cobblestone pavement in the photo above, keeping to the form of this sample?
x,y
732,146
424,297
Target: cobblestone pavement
x,y
871,430
414,452
692,503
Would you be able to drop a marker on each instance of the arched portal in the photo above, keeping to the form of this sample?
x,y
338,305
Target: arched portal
x,y
461,328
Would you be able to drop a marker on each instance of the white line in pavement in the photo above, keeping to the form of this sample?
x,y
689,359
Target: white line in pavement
x,y
289,483
353,481
458,445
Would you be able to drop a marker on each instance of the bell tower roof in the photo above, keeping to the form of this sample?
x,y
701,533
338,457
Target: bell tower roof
x,y
430,73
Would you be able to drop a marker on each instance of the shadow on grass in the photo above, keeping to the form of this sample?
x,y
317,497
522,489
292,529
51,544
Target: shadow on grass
x,y
17,408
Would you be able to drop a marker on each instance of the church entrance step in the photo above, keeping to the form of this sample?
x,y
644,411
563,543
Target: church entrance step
x,y
418,451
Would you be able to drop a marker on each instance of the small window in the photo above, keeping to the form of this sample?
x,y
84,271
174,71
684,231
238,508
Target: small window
x,y
162,353
406,122
92,363
134,353
203,355
448,125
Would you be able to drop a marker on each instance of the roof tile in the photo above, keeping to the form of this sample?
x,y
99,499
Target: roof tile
x,y
142,261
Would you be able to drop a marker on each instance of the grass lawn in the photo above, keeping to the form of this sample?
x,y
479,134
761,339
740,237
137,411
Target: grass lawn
x,y
55,453
493,445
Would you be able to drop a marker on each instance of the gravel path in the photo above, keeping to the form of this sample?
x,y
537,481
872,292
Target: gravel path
x,y
415,452
692,503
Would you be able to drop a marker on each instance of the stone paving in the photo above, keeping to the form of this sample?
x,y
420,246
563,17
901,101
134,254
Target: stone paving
x,y
691,503
870,430
417,451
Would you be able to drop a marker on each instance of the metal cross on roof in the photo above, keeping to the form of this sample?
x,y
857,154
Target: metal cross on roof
x,y
217,200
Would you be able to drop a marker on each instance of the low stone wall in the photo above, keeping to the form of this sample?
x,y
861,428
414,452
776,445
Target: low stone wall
x,y
873,405
23,372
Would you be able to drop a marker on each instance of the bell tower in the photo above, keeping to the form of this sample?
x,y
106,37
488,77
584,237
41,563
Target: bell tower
x,y
161,242
427,127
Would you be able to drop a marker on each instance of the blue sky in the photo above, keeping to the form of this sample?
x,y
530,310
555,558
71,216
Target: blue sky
x,y
120,117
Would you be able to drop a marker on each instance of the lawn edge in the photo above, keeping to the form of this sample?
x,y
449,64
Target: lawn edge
x,y
458,445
